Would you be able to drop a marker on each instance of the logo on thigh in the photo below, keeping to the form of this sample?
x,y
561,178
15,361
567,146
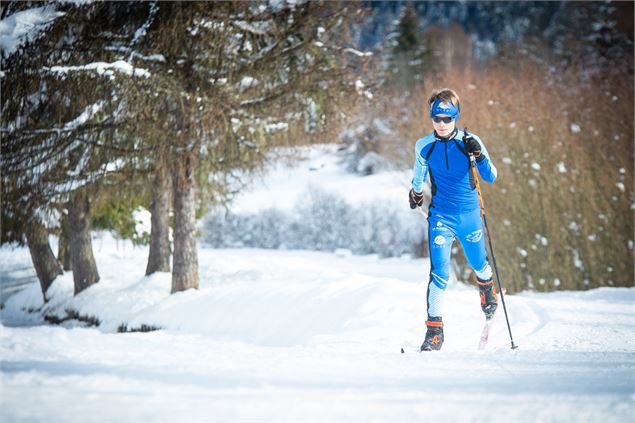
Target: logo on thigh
x,y
475,236
438,227
439,241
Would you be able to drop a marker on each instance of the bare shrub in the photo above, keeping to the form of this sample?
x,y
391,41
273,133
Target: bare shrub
x,y
560,212
321,221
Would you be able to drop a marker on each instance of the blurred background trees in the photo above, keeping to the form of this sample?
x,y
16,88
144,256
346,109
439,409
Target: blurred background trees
x,y
111,108
115,94
549,88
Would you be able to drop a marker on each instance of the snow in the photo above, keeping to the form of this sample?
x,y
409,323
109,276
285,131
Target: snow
x,y
320,167
358,53
276,127
256,28
298,335
382,127
543,241
150,58
103,68
143,221
88,113
24,26
115,165
248,82
141,32
577,261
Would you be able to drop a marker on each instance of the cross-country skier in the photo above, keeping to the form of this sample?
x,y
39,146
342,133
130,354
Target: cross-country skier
x,y
454,210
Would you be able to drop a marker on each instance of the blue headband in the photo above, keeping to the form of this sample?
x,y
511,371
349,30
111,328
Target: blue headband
x,y
440,107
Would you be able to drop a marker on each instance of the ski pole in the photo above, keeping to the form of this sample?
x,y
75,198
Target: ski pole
x,y
489,238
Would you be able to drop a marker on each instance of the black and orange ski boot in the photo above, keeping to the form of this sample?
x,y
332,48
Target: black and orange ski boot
x,y
489,301
434,335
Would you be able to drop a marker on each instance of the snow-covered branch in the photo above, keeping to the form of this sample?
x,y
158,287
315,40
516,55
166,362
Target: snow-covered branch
x,y
258,28
358,53
24,26
102,68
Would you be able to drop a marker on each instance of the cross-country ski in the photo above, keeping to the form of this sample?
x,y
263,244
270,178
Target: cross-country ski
x,y
482,343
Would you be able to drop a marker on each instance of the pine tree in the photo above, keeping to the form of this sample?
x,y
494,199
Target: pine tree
x,y
228,77
409,52
58,118
189,89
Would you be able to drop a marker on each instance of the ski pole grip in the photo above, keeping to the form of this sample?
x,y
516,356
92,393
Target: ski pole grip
x,y
470,155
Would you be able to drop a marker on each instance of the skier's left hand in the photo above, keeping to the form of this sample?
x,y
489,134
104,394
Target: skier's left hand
x,y
472,146
415,198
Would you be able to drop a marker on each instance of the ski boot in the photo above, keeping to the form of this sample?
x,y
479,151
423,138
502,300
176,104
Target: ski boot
x,y
434,335
489,301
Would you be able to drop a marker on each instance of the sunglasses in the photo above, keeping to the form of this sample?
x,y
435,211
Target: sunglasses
x,y
438,119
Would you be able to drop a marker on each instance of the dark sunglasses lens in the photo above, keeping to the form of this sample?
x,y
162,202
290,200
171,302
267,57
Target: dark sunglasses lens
x,y
442,119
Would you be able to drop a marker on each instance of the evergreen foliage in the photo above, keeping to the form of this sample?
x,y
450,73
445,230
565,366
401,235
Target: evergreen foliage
x,y
409,51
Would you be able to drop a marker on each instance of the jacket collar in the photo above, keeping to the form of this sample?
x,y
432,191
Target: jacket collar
x,y
448,138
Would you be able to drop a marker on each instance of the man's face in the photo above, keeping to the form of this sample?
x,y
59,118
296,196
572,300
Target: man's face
x,y
442,127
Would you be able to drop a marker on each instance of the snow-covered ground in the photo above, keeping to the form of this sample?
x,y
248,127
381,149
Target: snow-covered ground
x,y
275,335
298,335
320,168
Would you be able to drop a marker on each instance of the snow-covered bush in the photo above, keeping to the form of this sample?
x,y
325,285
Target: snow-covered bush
x,y
321,221
362,153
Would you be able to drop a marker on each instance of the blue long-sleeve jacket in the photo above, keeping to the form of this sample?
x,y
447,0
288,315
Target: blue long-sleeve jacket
x,y
453,187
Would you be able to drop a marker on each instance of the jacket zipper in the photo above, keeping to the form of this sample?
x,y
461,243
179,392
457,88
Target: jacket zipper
x,y
446,156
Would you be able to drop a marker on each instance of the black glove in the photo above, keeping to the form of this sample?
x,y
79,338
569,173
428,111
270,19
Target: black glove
x,y
472,146
415,198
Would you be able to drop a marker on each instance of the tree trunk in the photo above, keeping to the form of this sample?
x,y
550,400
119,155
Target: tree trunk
x,y
185,259
46,266
63,248
159,256
82,259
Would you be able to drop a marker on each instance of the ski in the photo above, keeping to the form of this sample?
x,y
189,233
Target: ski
x,y
486,327
485,334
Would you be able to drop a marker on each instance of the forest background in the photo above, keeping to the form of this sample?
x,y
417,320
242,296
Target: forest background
x,y
175,107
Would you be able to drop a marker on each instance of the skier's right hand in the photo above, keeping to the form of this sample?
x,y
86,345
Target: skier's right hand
x,y
472,146
415,198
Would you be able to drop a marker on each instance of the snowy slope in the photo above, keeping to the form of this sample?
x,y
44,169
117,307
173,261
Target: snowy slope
x,y
320,167
297,335
275,335
317,204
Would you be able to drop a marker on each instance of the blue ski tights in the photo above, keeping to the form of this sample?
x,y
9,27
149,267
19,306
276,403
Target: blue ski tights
x,y
443,229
